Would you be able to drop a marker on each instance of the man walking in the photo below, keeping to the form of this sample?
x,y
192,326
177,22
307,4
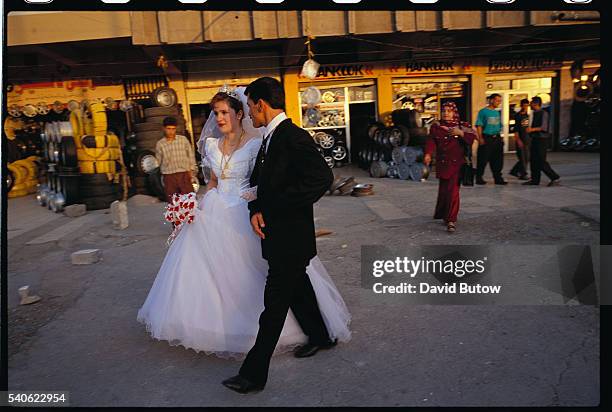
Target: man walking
x,y
290,176
176,160
523,141
491,148
538,132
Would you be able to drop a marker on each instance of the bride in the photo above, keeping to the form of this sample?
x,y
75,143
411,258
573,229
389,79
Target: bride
x,y
208,293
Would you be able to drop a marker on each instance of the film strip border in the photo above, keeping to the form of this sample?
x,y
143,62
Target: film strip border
x,y
42,5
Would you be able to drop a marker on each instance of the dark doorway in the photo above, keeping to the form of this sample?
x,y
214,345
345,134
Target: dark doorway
x,y
361,115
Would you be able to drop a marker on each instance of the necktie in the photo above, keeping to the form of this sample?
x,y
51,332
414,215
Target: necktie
x,y
262,149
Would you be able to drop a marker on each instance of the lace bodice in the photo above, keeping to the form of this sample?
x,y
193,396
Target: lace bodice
x,y
238,169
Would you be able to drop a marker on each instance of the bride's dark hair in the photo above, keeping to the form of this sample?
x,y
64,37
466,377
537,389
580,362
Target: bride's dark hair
x,y
230,100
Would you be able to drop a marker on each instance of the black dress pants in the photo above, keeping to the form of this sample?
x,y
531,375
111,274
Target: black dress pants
x,y
491,152
523,155
287,286
539,164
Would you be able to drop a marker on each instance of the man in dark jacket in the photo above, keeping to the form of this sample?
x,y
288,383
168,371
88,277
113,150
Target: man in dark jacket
x,y
523,141
538,131
290,176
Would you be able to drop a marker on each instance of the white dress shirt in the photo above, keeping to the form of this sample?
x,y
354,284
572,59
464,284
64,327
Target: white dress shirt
x,y
272,126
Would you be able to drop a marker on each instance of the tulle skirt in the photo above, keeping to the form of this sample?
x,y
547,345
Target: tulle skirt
x,y
208,293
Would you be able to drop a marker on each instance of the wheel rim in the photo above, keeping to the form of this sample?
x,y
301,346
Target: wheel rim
x,y
165,98
395,137
327,141
339,153
149,163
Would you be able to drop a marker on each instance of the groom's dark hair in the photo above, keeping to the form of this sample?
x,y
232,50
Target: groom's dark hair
x,y
268,89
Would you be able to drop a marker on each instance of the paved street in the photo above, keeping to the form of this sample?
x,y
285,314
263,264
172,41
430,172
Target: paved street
x,y
83,336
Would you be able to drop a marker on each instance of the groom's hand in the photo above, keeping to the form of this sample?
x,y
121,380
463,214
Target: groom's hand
x,y
257,222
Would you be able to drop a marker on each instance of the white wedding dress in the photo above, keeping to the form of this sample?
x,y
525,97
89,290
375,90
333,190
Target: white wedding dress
x,y
208,293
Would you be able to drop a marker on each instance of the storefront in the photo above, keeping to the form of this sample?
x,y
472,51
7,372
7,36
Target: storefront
x,y
339,121
427,95
524,78
352,96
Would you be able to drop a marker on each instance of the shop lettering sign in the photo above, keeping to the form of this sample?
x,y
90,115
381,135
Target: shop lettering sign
x,y
68,85
430,66
523,63
345,70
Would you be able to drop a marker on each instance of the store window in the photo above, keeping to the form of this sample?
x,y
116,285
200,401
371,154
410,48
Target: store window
x,y
428,95
512,92
337,116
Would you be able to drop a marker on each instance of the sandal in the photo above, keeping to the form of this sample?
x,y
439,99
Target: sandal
x,y
450,227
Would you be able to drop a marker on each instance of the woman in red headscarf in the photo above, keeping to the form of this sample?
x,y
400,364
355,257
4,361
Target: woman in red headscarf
x,y
448,139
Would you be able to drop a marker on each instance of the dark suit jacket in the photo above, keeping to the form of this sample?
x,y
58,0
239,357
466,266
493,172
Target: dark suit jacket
x,y
292,178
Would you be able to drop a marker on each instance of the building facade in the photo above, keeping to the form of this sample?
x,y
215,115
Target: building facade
x,y
372,62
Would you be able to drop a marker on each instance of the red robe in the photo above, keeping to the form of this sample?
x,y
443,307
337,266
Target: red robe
x,y
450,156
450,153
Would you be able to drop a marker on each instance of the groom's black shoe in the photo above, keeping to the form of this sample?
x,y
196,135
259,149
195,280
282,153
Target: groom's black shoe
x,y
242,385
309,349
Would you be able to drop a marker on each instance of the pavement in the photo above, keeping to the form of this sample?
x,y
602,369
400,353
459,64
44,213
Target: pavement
x,y
83,336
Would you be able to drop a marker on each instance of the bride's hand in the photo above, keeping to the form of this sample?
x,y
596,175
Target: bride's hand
x,y
249,196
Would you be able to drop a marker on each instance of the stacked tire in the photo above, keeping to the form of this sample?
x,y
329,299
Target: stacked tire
x,y
407,164
22,177
61,171
381,142
99,159
390,153
145,138
99,163
411,119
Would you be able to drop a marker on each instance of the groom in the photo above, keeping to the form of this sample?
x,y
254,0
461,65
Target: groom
x,y
290,176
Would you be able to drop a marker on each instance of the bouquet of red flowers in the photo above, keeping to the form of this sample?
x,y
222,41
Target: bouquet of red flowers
x,y
181,210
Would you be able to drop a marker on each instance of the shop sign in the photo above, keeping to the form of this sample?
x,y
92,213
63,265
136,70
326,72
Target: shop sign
x,y
68,85
344,70
524,64
424,66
